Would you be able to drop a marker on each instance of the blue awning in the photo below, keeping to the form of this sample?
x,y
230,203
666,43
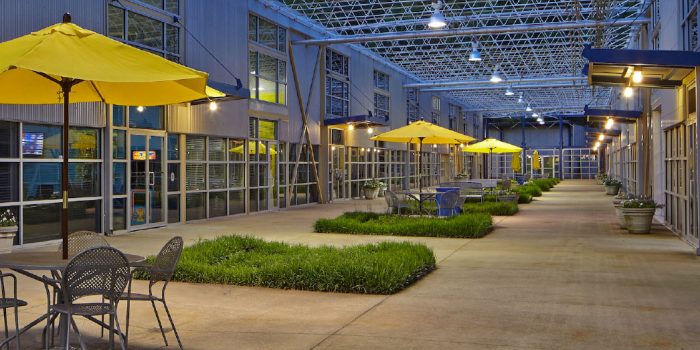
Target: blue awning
x,y
660,68
366,120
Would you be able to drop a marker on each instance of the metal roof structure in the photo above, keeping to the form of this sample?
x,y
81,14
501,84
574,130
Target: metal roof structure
x,y
536,45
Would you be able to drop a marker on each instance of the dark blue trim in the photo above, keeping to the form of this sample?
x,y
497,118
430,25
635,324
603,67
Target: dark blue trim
x,y
661,58
360,119
615,113
234,91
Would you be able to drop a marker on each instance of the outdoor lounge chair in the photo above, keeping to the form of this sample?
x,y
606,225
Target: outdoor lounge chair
x,y
161,271
396,202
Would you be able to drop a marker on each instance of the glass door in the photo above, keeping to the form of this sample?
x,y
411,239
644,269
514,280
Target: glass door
x,y
339,172
146,181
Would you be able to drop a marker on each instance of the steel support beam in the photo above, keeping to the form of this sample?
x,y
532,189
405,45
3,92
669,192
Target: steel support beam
x,y
435,84
492,86
427,34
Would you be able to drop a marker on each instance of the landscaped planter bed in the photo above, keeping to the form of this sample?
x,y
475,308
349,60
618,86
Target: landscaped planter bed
x,y
493,208
470,225
383,268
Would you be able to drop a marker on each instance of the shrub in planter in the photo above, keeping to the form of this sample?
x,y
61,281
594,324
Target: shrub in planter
x,y
639,214
531,189
525,198
543,184
371,188
612,186
8,230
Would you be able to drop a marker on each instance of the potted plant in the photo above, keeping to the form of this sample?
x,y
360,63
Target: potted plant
x,y
618,201
612,186
639,214
600,178
8,231
371,188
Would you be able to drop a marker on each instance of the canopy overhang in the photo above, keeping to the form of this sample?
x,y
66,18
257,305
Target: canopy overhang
x,y
358,121
662,69
221,92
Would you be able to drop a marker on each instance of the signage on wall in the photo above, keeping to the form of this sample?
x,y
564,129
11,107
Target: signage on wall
x,y
141,155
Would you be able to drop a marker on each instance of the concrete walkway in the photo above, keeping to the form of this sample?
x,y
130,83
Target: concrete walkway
x,y
558,275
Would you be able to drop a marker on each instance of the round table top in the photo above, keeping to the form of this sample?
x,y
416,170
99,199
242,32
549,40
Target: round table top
x,y
46,260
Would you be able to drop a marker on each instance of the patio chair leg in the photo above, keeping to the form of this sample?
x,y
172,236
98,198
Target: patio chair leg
x,y
80,336
111,332
167,311
70,317
7,334
122,337
17,328
160,325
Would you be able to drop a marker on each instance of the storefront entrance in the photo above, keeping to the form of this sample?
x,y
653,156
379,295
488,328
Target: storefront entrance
x,y
146,185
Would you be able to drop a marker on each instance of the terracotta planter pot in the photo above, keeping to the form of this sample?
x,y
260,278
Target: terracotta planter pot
x,y
620,217
612,190
7,238
371,193
638,220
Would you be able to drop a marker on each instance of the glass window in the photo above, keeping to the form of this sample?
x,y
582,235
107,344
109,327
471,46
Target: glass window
x,y
217,204
237,175
115,18
217,149
118,115
119,144
237,150
145,30
173,177
196,204
267,33
41,222
9,140
381,106
267,129
42,181
217,176
268,78
172,6
83,179
85,216
41,141
84,143
381,80
173,208
173,147
9,182
119,178
172,39
146,118
337,98
119,214
195,148
236,202
252,28
195,179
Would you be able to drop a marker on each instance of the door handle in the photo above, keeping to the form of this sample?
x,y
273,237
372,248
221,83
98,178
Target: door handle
x,y
151,178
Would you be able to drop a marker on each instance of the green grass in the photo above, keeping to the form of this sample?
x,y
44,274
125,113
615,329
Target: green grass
x,y
530,189
473,225
382,268
525,198
543,184
493,208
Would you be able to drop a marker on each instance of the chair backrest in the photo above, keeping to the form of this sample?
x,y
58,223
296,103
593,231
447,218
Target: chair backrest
x,y
448,200
101,271
82,240
166,261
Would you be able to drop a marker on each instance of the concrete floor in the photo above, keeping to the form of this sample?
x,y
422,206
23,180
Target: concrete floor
x,y
558,275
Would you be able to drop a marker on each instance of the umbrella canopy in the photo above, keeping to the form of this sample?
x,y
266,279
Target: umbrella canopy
x,y
251,148
515,163
423,132
65,63
536,160
491,145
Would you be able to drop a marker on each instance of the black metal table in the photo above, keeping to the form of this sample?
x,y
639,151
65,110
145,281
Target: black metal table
x,y
421,197
29,263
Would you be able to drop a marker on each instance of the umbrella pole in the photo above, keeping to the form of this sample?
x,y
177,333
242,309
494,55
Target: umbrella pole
x,y
65,87
420,178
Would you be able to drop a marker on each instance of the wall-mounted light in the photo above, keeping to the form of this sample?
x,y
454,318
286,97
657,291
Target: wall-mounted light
x,y
601,137
628,92
213,106
609,123
140,109
351,127
370,130
637,77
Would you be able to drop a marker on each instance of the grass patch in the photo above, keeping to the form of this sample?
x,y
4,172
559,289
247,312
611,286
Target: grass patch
x,y
543,184
473,225
529,189
493,208
525,198
382,268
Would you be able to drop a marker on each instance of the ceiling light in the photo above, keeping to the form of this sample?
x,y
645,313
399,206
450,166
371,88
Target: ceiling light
x,y
520,98
597,144
637,77
213,106
535,115
370,130
509,91
496,76
628,92
475,55
541,122
528,108
434,146
601,137
437,20
140,109
351,127
609,123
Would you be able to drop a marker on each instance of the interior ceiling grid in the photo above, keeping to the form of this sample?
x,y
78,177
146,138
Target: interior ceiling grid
x,y
533,54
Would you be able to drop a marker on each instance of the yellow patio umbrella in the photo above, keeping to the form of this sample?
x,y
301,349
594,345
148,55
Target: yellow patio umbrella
x,y
421,132
515,163
491,146
251,148
536,160
65,63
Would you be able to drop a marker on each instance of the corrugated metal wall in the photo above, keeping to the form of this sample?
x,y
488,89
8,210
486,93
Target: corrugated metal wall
x,y
81,114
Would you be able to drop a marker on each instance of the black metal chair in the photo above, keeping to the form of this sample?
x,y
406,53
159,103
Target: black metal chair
x,y
161,271
10,303
82,240
101,271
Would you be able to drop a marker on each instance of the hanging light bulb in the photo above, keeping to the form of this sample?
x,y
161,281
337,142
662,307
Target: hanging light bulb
x,y
213,106
535,115
434,146
597,144
351,127
528,108
475,55
461,145
437,19
637,77
140,109
609,123
541,122
520,98
509,91
628,92
601,137
333,148
370,130
496,76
